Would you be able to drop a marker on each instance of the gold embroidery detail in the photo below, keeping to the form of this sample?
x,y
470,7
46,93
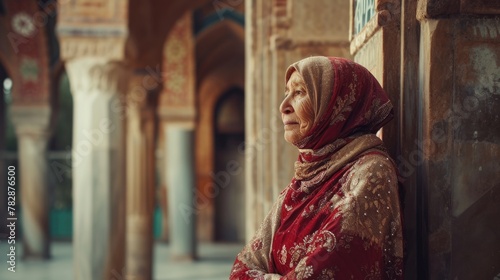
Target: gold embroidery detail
x,y
369,113
369,205
303,271
283,255
343,105
312,209
373,272
326,274
320,239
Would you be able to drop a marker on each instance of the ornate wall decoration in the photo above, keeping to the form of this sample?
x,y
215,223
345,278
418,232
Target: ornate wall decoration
x,y
368,16
29,69
110,47
178,68
23,24
28,40
363,12
381,11
93,12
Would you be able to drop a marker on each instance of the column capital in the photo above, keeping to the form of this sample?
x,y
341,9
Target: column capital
x,y
89,75
31,120
142,96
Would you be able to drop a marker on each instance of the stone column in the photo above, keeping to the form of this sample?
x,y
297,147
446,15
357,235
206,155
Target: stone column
x,y
414,231
98,86
142,100
31,124
253,76
93,48
29,68
180,174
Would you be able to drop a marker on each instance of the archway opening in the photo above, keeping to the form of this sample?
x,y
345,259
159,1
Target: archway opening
x,y
229,136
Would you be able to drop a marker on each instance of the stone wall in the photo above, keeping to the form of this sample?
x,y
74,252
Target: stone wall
x,y
460,78
442,74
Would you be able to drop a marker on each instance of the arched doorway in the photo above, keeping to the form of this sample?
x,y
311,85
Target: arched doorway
x,y
220,64
229,134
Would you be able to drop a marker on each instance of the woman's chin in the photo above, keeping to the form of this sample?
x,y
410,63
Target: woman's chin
x,y
289,141
291,138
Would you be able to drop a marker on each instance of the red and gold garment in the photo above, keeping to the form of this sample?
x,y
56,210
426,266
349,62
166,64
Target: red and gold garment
x,y
340,216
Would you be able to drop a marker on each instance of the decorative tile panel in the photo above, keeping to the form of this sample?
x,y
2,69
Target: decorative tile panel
x,y
364,10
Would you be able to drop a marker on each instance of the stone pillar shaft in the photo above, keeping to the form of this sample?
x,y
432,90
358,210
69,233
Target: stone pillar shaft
x,y
141,135
31,125
97,86
180,174
409,133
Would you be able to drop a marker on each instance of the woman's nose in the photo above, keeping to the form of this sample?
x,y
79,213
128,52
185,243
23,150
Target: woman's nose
x,y
285,107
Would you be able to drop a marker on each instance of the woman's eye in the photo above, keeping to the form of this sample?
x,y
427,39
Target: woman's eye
x,y
298,92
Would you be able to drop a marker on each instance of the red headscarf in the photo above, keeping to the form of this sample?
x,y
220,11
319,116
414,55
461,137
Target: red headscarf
x,y
348,102
347,99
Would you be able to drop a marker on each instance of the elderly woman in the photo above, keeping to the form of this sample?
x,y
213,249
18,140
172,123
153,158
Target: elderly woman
x,y
339,218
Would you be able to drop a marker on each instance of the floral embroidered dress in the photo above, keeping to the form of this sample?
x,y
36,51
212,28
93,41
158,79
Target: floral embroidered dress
x,y
340,216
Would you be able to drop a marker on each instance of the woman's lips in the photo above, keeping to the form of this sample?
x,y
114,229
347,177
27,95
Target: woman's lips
x,y
289,122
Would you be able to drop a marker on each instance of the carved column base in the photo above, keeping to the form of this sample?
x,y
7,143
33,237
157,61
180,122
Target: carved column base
x,y
139,247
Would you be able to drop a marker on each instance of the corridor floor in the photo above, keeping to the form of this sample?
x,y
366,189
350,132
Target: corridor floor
x,y
214,263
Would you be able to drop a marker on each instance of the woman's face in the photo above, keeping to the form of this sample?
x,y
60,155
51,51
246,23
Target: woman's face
x,y
296,109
